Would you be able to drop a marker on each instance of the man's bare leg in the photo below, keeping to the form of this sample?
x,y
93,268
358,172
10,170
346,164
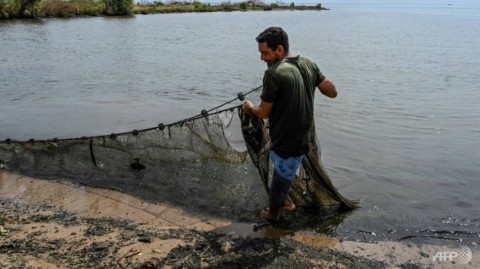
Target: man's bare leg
x,y
288,205
271,214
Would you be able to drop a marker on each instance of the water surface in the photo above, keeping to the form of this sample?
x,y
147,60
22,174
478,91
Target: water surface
x,y
403,136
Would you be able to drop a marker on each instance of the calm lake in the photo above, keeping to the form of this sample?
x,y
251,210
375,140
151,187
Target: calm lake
x,y
403,136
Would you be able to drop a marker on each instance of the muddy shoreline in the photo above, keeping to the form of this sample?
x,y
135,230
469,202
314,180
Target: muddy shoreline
x,y
54,224
118,243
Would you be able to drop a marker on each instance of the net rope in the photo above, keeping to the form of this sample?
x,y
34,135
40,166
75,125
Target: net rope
x,y
208,163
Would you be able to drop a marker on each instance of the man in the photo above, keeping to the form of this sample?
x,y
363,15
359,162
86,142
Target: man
x,y
289,85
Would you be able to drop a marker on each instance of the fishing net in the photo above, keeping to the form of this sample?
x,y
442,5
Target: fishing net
x,y
214,163
312,186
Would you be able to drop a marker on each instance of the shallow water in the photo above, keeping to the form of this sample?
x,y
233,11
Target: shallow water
x,y
402,136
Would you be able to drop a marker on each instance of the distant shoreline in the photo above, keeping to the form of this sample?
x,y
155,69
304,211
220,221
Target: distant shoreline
x,y
198,7
92,8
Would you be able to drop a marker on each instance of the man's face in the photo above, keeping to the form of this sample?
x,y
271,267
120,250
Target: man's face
x,y
268,55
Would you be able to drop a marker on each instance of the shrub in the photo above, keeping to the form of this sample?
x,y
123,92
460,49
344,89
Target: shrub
x,y
19,8
6,8
118,7
243,6
59,8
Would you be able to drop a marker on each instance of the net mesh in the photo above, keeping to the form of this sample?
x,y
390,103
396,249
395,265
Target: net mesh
x,y
214,163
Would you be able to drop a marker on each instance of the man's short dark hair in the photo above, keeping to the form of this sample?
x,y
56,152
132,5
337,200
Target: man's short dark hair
x,y
274,36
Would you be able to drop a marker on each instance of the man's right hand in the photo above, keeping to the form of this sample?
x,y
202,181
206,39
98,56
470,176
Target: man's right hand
x,y
247,107
262,111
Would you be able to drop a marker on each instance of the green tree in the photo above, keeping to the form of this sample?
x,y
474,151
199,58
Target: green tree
x,y
243,6
118,7
27,8
5,9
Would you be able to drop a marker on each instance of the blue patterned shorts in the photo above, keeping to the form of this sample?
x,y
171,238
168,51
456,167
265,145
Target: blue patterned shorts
x,y
287,168
283,175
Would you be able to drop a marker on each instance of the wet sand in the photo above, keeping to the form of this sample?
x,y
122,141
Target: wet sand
x,y
58,224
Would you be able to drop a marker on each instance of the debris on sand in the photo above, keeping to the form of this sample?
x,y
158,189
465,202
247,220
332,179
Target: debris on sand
x,y
46,237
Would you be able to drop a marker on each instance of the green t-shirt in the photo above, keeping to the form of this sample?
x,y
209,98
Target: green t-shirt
x,y
290,85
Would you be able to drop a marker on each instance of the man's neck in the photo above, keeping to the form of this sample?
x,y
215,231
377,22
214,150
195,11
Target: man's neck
x,y
290,55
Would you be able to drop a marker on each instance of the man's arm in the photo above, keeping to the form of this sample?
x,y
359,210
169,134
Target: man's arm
x,y
327,88
262,111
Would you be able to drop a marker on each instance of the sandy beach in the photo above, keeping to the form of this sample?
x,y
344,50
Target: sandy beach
x,y
58,224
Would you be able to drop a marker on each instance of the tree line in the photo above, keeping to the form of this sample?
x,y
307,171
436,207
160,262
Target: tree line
x,y
63,8
71,8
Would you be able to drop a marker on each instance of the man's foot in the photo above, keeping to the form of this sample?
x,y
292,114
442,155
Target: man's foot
x,y
288,204
267,215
